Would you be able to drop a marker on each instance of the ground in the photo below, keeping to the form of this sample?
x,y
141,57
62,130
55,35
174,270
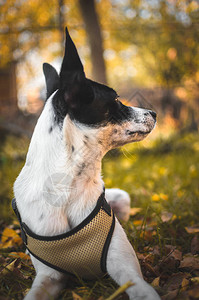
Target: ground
x,y
162,177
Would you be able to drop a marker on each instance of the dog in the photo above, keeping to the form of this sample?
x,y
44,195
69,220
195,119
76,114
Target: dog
x,y
60,186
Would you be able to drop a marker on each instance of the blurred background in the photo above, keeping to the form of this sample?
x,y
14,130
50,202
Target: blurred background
x,y
147,50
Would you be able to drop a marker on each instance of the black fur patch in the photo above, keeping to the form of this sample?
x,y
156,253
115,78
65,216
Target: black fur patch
x,y
85,101
100,110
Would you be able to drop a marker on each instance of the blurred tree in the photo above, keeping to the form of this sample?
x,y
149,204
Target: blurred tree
x,y
167,39
92,24
147,42
25,26
33,25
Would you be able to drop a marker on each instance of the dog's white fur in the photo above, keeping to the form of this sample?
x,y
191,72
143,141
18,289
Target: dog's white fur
x,y
119,200
59,186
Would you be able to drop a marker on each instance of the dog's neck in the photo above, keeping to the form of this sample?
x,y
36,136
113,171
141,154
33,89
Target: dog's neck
x,y
60,182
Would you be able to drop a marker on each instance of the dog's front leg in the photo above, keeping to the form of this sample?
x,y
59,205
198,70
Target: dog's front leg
x,y
123,266
119,201
47,284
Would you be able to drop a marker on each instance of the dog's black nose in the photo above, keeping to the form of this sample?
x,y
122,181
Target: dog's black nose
x,y
153,114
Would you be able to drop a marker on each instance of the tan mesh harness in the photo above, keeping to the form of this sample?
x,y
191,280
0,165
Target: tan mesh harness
x,y
82,251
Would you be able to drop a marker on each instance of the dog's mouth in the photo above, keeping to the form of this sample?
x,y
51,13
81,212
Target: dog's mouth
x,y
129,132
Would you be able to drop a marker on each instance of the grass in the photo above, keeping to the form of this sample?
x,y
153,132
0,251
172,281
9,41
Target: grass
x,y
162,177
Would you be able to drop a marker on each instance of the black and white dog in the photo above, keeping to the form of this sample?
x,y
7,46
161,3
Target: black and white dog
x,y
60,182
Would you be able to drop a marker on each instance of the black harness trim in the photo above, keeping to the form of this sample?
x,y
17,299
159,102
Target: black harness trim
x,y
101,204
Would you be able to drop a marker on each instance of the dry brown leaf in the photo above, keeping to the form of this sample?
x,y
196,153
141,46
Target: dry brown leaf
x,y
166,216
156,282
10,267
149,268
192,229
76,297
170,296
194,293
135,210
184,284
147,235
195,245
176,254
175,281
190,262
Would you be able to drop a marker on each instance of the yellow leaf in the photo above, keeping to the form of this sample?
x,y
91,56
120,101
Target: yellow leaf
x,y
180,193
137,222
155,197
193,171
21,255
164,196
135,210
10,238
195,279
156,282
76,297
163,171
9,268
184,284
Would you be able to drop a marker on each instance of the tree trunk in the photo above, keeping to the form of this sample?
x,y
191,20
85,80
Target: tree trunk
x,y
61,22
89,14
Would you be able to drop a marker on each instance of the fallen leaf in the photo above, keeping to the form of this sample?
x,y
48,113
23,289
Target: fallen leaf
x,y
174,281
164,196
156,282
190,262
194,293
192,229
195,245
135,210
195,280
176,254
150,270
137,222
147,235
10,238
173,252
155,197
169,264
184,284
10,267
22,255
166,216
140,256
76,297
170,296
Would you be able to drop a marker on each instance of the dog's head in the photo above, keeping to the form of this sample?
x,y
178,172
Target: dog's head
x,y
84,105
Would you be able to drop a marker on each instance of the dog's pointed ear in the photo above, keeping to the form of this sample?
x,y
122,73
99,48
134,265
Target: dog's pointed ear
x,y
73,82
51,78
71,61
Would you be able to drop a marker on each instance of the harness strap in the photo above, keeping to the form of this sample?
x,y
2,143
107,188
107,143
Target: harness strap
x,y
85,246
23,234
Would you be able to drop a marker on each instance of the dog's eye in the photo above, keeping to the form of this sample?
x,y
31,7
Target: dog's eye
x,y
117,98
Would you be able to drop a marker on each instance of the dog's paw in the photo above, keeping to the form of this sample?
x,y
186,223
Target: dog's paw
x,y
119,201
